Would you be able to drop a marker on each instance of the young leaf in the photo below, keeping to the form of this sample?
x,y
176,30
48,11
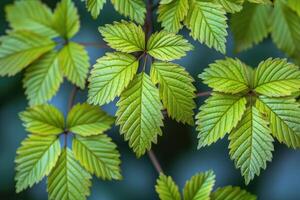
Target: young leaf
x,y
43,119
86,120
175,89
260,1
228,75
66,19
285,28
74,60
134,9
167,46
20,16
231,6
218,116
68,180
231,193
124,36
207,22
277,77
139,114
110,76
294,5
35,158
172,14
42,79
98,155
284,117
94,7
199,186
251,144
251,25
166,188
21,48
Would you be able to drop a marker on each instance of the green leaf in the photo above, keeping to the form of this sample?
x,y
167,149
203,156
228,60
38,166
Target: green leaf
x,y
86,120
277,77
42,79
166,188
167,46
294,5
172,14
207,22
110,76
228,75
94,7
251,144
124,36
98,155
284,117
31,15
134,9
21,48
74,60
35,159
175,89
199,186
139,114
43,119
285,28
231,6
251,25
261,1
231,193
68,180
218,116
66,19
165,1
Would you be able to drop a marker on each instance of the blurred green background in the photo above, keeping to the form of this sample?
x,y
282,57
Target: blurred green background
x,y
176,149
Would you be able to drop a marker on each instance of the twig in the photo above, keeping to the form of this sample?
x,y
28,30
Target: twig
x,y
94,44
154,161
203,94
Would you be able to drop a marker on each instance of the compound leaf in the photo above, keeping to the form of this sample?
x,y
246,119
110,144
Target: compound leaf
x,y
110,76
43,119
166,188
139,114
98,155
35,158
167,46
85,120
231,193
175,89
218,116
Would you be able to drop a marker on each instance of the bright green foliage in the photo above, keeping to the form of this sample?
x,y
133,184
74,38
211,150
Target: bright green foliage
x,y
68,180
218,116
66,19
124,36
94,7
35,158
165,1
110,76
167,46
231,6
199,186
231,193
43,119
20,15
21,48
277,77
139,114
251,25
98,155
86,120
284,117
234,80
166,188
207,22
42,79
265,107
175,89
134,9
172,14
74,60
294,5
260,1
251,144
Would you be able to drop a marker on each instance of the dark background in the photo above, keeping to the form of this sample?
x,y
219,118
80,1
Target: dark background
x,y
176,149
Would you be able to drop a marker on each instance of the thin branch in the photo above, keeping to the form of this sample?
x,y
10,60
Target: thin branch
x,y
203,94
94,44
154,161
